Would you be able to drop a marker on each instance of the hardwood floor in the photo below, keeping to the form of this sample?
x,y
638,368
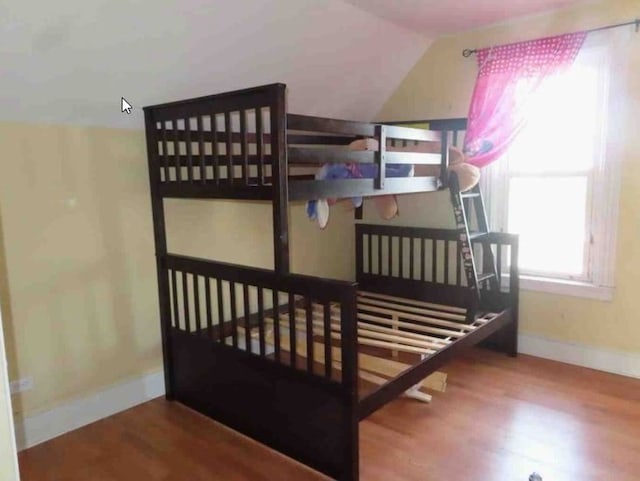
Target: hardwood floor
x,y
499,420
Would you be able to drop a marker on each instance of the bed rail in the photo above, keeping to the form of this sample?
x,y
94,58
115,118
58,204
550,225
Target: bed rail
x,y
425,264
240,355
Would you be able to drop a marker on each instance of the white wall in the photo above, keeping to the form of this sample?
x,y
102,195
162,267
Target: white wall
x,y
70,62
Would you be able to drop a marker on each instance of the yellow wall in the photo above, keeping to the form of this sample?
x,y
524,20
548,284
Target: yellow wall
x,y
79,288
440,86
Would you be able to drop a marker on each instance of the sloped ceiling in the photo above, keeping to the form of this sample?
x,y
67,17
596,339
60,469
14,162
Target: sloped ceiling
x,y
71,61
439,17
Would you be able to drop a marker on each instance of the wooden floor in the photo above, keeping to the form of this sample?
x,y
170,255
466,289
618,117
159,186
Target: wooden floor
x,y
499,420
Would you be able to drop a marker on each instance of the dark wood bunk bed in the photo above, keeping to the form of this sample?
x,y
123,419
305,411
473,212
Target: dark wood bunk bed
x,y
279,356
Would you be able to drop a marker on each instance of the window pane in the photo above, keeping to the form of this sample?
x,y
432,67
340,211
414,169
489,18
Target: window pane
x,y
550,215
563,121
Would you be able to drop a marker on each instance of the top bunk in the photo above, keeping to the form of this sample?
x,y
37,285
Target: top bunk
x,y
244,145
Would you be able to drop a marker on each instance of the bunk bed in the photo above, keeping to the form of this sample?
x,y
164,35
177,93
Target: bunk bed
x,y
294,361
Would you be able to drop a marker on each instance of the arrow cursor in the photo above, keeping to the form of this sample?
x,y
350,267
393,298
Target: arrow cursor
x,y
125,106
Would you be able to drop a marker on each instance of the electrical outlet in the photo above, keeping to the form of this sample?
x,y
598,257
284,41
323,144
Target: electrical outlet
x,y
21,385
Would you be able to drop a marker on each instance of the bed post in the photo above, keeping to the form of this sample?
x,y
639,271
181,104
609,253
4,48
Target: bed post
x,y
160,239
511,338
349,353
280,183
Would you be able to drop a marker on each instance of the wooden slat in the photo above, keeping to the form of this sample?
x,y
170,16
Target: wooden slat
x,y
321,156
448,332
261,333
185,302
207,294
247,326
276,324
415,317
260,146
401,256
423,259
365,334
229,146
328,188
316,124
309,327
234,316
220,303
176,152
203,172
434,263
196,302
389,255
369,254
397,308
244,146
379,244
292,329
446,262
413,326
407,301
187,125
215,150
174,292
165,153
412,158
409,133
328,352
411,256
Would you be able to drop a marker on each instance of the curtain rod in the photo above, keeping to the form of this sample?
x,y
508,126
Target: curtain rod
x,y
468,52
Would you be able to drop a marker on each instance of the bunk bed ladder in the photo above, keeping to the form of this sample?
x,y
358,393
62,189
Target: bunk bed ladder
x,y
462,203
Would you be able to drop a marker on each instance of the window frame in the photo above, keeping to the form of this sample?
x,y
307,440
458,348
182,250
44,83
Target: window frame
x,y
603,194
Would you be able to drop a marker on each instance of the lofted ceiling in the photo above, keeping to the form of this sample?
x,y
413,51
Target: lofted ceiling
x,y
70,62
439,17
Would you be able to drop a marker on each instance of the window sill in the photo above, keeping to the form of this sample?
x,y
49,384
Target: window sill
x,y
564,287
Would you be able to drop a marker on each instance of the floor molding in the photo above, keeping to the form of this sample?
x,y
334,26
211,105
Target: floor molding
x,y
616,362
80,412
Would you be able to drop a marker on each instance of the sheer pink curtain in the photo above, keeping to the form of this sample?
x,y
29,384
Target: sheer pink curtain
x,y
507,76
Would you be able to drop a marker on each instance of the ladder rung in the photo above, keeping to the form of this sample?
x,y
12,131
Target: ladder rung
x,y
469,194
477,235
484,277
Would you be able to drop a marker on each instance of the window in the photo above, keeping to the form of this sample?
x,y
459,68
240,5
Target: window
x,y
557,185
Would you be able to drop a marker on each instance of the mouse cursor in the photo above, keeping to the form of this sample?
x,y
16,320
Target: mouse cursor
x,y
125,106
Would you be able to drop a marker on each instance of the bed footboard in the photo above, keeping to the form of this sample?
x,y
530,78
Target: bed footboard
x,y
238,355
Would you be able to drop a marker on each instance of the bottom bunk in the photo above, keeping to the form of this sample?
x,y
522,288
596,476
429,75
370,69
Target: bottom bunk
x,y
296,362
394,334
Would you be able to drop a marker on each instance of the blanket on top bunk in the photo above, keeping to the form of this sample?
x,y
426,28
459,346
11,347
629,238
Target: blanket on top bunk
x,y
387,205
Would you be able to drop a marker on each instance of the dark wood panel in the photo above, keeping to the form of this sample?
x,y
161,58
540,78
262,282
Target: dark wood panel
x,y
307,123
340,188
299,415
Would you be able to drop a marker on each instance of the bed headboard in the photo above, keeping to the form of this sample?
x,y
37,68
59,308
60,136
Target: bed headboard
x,y
425,264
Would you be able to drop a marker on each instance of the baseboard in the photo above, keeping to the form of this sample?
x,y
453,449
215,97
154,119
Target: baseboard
x,y
616,362
41,427
80,412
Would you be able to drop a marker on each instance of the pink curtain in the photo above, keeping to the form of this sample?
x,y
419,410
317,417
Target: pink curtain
x,y
507,76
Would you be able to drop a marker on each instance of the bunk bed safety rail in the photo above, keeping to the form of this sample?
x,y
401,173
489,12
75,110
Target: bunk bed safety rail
x,y
228,145
450,132
425,263
312,142
242,353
